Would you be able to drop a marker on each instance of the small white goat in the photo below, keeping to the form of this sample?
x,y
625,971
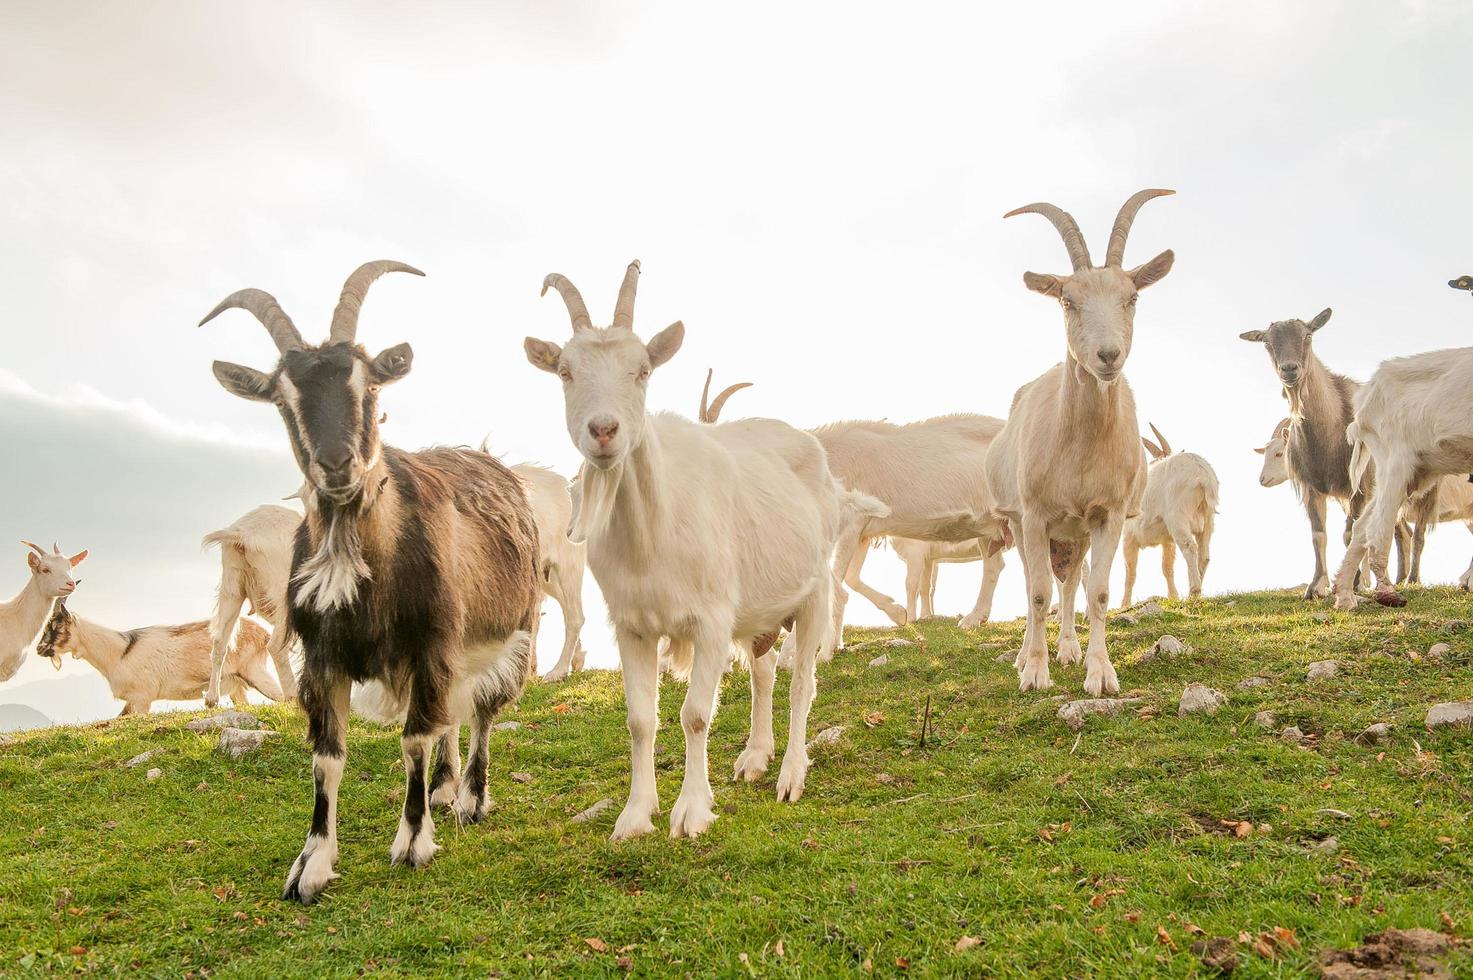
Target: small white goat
x,y
255,564
158,663
22,617
1067,469
560,561
1450,500
1275,455
1413,424
708,534
1177,511
921,560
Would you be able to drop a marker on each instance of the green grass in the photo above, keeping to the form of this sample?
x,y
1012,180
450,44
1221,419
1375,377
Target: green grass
x,y
106,872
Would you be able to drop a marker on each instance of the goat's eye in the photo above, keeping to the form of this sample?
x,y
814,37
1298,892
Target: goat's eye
x,y
644,374
565,374
1066,304
1133,298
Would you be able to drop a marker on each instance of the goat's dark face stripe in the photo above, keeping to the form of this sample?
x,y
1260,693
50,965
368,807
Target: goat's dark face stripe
x,y
329,405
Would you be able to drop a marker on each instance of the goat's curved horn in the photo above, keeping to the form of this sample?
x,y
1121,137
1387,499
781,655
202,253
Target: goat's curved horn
x,y
34,547
1115,251
1165,446
624,307
713,414
1063,221
263,306
345,315
571,298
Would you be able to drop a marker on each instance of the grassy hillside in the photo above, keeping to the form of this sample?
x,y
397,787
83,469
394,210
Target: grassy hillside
x,y
1105,852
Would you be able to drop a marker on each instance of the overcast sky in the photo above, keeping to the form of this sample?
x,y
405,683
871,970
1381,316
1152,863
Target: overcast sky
x,y
815,190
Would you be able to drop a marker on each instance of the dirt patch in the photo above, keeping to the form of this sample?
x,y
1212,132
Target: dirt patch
x,y
1391,955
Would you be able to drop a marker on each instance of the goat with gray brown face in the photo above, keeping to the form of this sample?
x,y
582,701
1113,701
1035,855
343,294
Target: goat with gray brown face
x,y
413,573
1319,412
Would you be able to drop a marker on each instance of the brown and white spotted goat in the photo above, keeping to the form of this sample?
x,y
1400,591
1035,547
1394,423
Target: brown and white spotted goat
x,y
413,573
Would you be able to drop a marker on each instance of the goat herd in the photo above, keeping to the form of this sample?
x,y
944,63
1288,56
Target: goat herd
x,y
415,581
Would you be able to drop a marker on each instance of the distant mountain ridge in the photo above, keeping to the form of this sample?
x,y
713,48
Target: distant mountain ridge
x,y
22,717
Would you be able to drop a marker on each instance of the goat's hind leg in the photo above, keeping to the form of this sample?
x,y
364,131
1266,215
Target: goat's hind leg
x,y
755,759
445,781
325,701
1067,570
811,647
426,721
694,809
1032,660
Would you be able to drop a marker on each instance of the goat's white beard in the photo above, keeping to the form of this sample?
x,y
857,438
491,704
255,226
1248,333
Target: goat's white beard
x,y
600,489
330,578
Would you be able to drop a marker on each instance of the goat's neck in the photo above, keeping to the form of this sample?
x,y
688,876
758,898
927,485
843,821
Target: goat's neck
x,y
637,486
1313,398
22,617
101,647
1087,407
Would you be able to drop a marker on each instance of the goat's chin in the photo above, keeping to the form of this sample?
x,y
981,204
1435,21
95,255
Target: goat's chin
x,y
339,495
599,462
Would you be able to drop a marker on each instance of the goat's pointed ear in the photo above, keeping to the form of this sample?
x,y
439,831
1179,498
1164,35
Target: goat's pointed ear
x,y
392,364
1260,450
1041,282
1254,336
1152,448
78,558
663,345
1153,271
1321,318
242,381
542,354
32,561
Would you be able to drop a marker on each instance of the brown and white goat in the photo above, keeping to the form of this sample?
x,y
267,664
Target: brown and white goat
x,y
415,573
21,618
255,564
1067,469
1178,510
158,663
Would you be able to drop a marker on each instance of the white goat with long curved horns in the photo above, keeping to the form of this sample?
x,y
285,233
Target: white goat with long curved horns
x,y
708,534
1067,467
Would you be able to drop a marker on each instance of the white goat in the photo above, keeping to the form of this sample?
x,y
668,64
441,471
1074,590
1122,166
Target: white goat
x,y
1177,511
1068,467
560,561
255,564
22,617
158,663
708,534
921,559
1275,455
1450,500
1414,424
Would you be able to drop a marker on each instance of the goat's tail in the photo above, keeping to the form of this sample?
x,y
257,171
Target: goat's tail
x,y
862,504
1360,454
222,537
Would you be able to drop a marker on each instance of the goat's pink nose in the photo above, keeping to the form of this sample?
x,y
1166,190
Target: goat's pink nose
x,y
603,431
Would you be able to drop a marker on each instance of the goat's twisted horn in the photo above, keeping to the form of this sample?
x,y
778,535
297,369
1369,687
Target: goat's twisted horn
x,y
34,547
712,414
572,299
1115,251
1064,222
1165,446
263,306
624,307
345,316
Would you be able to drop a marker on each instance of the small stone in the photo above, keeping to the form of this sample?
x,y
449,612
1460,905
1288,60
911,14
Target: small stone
x,y
141,758
828,736
1438,650
1322,670
1008,656
1218,953
1451,714
1150,609
1231,602
1169,646
1321,616
1074,713
1292,735
593,811
153,774
1200,698
237,742
879,661
1266,719
896,641
1125,619
885,779
1378,732
507,726
521,777
226,719
1326,811
1251,682
1327,847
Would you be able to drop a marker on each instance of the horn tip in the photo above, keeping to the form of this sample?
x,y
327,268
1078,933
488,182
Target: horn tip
x,y
635,265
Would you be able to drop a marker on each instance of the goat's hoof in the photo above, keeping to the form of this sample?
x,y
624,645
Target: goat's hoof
x,y
1389,597
1317,590
752,764
555,675
469,809
1346,601
1070,651
1033,675
310,873
791,778
973,620
691,818
1101,679
633,822
444,794
414,849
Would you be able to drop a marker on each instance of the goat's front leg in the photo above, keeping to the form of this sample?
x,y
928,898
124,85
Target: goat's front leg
x,y
222,629
752,764
278,648
694,809
1314,507
1067,574
1132,554
991,571
811,646
325,702
427,719
445,782
1099,675
640,659
1033,544
881,601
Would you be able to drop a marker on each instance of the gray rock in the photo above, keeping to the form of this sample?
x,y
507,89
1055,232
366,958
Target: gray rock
x,y
1326,811
828,736
1008,656
141,758
1199,698
1074,713
1251,682
1322,670
896,641
593,811
226,719
153,774
238,742
1439,650
879,661
507,726
1292,735
1327,847
1451,714
1266,719
521,777
1169,646
1373,734
1321,616
1150,609
1125,619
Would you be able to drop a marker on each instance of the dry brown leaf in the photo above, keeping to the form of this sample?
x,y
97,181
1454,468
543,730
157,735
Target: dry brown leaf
x,y
597,945
1196,930
967,942
874,719
1164,938
1265,946
902,963
625,963
780,950
1046,834
1286,937
562,708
